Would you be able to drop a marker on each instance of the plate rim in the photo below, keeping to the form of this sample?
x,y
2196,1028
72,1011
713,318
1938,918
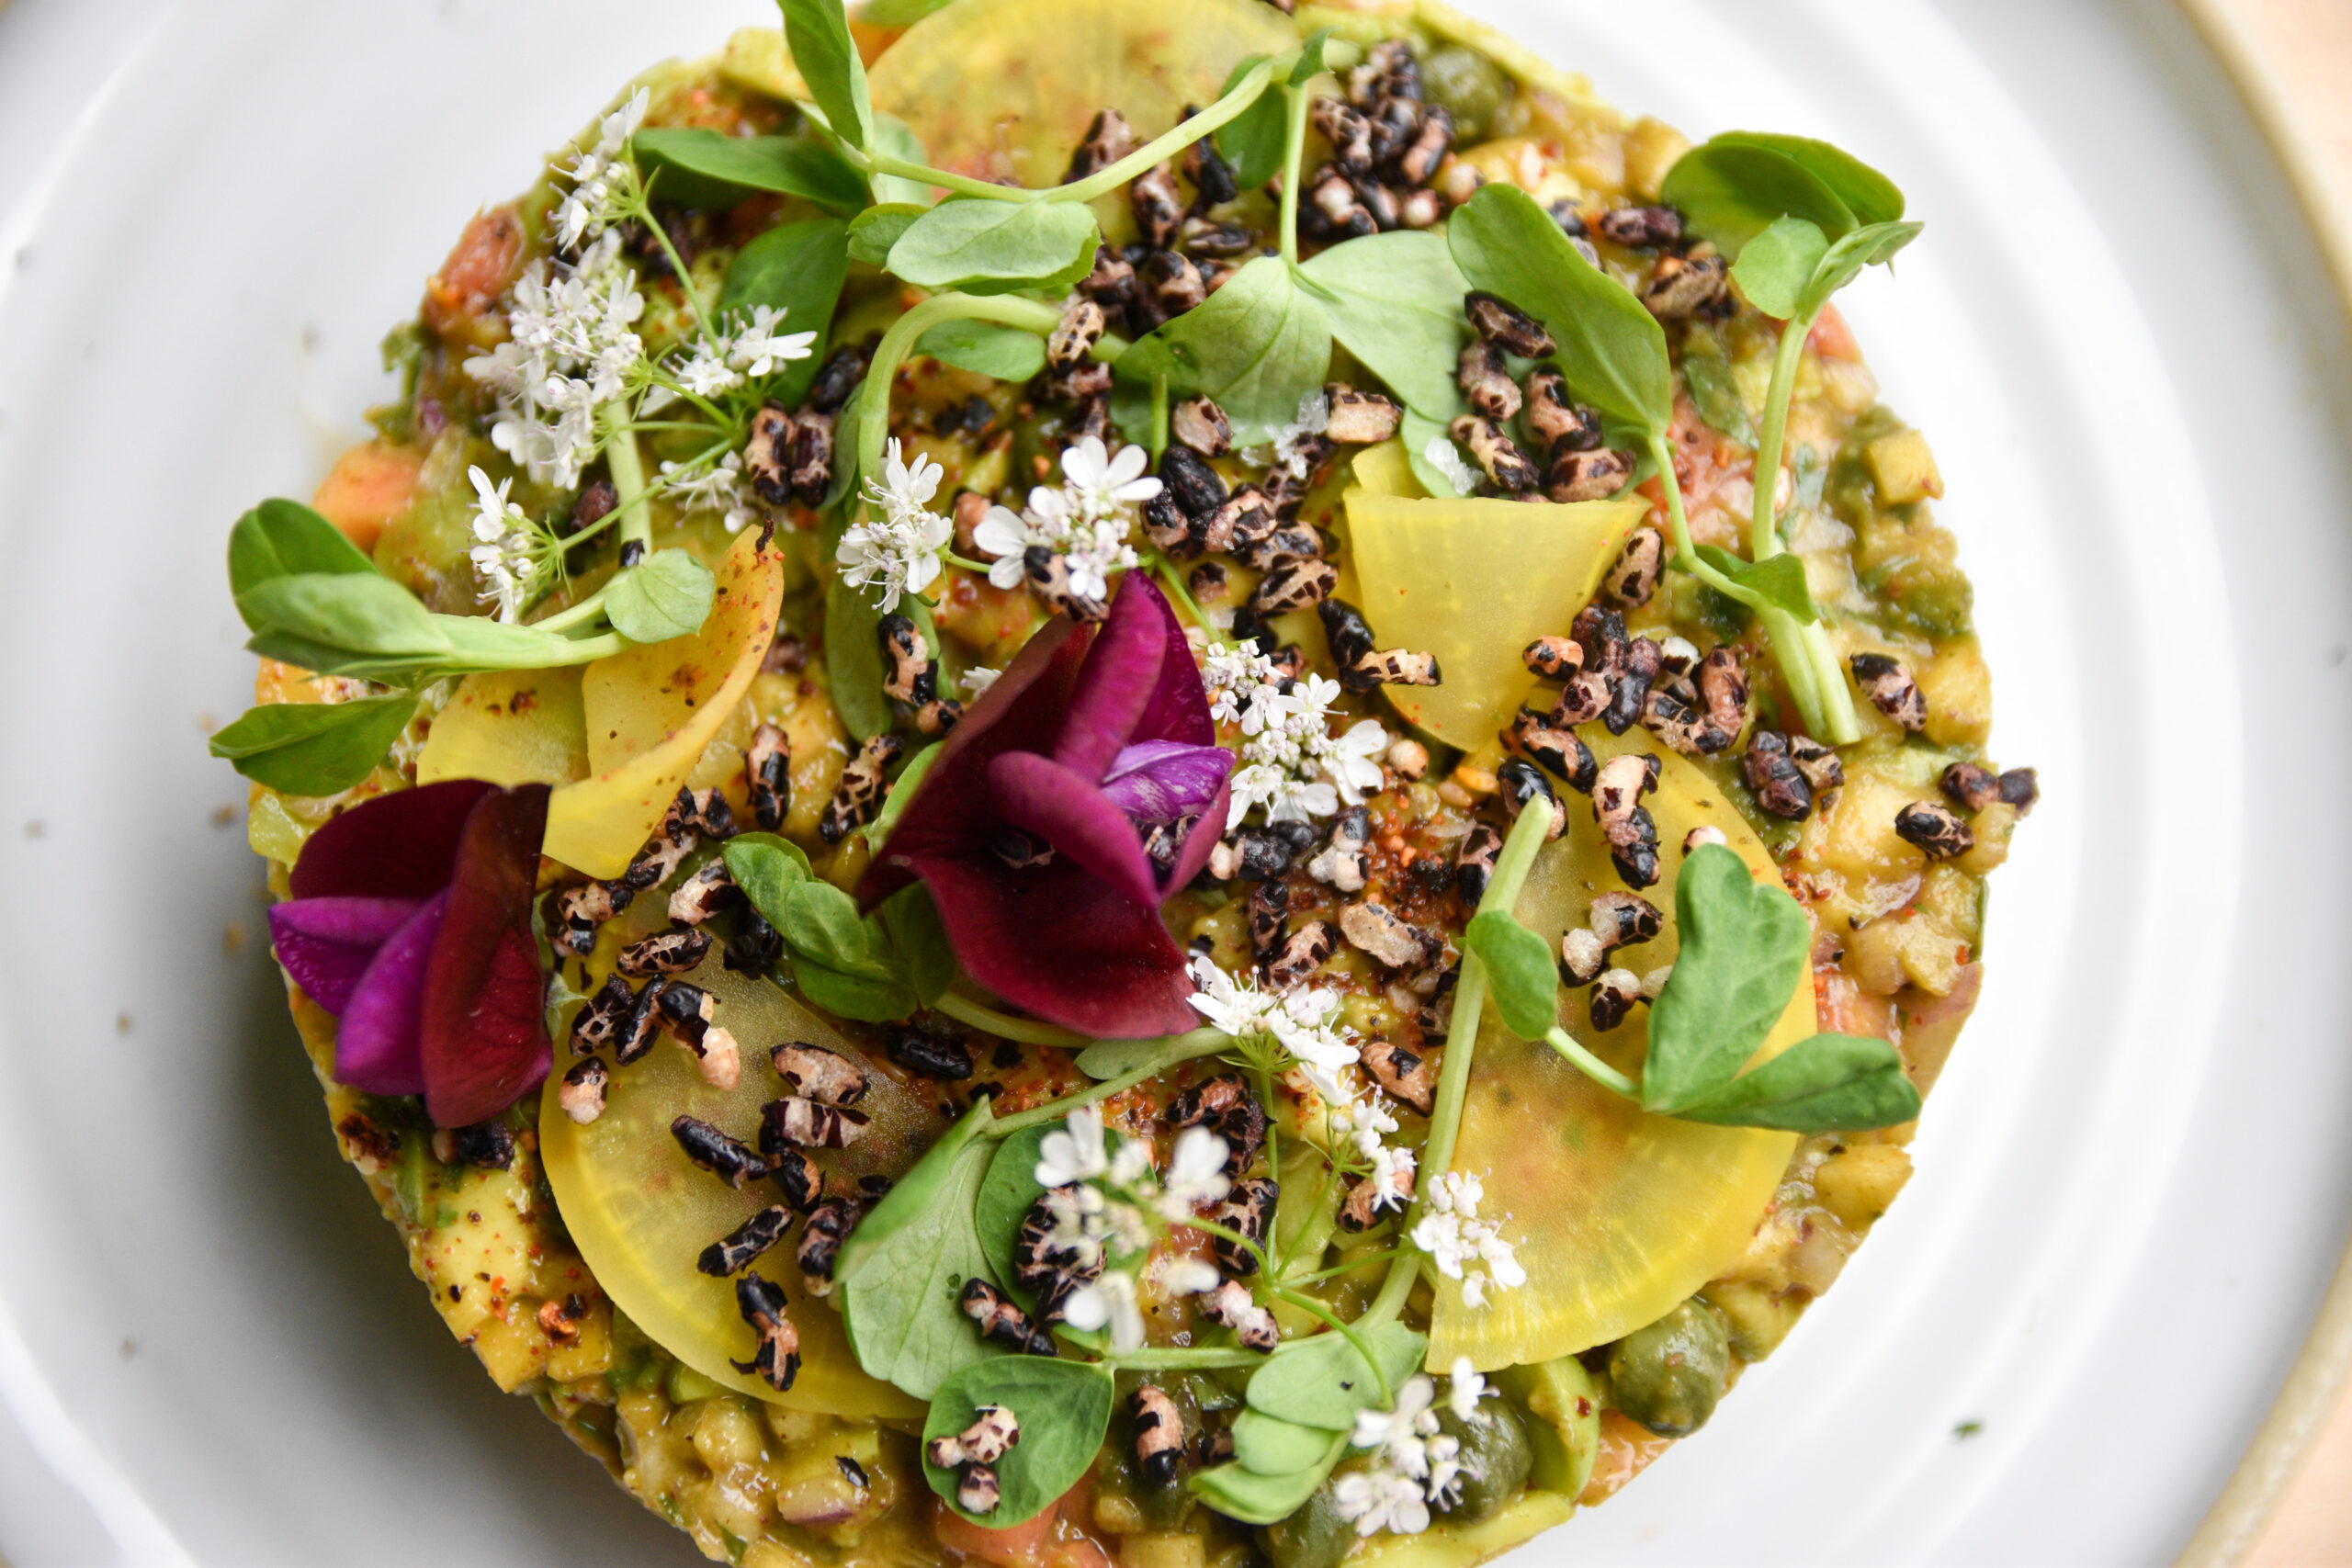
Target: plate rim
x,y
2316,1381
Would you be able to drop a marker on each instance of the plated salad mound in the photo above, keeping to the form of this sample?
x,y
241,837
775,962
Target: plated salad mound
x,y
1059,795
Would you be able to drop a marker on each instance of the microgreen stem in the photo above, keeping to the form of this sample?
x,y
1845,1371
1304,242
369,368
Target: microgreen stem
x,y
962,185
1763,536
643,213
1027,1031
627,465
1158,418
1511,869
1230,108
1293,154
1180,1048
1826,705
1337,1270
1592,1066
1178,589
1184,1358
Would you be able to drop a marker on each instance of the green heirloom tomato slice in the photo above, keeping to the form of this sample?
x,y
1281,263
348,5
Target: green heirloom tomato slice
x,y
641,1212
998,87
1615,1214
1474,582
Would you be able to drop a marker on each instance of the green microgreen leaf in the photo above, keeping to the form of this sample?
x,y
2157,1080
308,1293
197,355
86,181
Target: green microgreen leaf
x,y
1310,57
1743,945
918,941
1257,345
899,13
1323,1382
1776,580
873,232
1240,1493
1730,191
1846,258
315,749
359,612
1252,141
1870,195
816,34
1269,1445
985,348
669,594
1827,1083
766,867
1394,302
866,996
698,167
854,651
1713,391
1064,1409
820,920
1520,975
902,1270
911,776
1005,1198
798,268
1611,348
1776,266
284,538
997,247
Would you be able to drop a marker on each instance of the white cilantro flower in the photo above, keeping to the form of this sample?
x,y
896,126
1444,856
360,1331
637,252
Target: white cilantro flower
x,y
1087,520
1465,1388
1380,1499
1073,1152
1463,1246
1187,1276
1195,1175
720,488
1099,484
506,554
759,349
900,547
1108,1300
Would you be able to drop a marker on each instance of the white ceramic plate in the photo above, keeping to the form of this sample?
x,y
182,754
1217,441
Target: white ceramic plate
x,y
2132,1184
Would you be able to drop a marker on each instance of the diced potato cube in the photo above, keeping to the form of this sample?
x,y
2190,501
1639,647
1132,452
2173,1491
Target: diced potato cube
x,y
1959,689
1858,1184
1905,469
1652,147
1163,1549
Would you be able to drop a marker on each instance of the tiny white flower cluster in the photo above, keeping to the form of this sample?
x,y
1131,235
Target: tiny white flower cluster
x,y
1107,1206
571,348
509,554
739,351
1414,1463
1292,763
604,183
1301,1022
1363,1123
897,542
1088,519
1463,1246
720,488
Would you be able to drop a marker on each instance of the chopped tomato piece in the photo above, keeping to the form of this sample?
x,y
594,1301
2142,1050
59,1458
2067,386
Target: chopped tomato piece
x,y
484,263
1832,338
1627,1448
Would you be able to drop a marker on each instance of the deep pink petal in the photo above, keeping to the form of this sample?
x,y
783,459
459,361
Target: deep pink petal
x,y
400,845
1121,674
375,1043
1166,781
326,943
483,1039
1194,853
1057,942
1178,708
1068,812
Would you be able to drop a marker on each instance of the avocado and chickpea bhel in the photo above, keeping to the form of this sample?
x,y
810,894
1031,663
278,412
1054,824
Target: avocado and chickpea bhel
x,y
1056,795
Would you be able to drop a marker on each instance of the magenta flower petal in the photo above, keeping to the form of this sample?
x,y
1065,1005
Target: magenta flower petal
x,y
1062,944
1117,683
326,943
1041,797
376,1045
483,1036
400,845
1178,708
1167,781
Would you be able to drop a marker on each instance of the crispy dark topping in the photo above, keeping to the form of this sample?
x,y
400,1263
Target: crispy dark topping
x,y
1200,425
1225,1106
1246,1210
976,1490
581,1095
1260,853
664,952
1557,419
829,1226
1684,286
1614,995
703,895
1295,583
1303,954
1969,787
1474,862
1632,577
777,1360
732,1162
1495,452
909,674
1001,1322
1049,579
826,1076
755,946
1524,787
1723,685
1626,823
599,1023
1109,138
1574,474
1358,419
1485,381
859,794
1072,341
1887,683
740,1247
928,1056
1342,863
1406,1075
1553,746
1396,943
1642,228
1269,909
1159,1435
1506,326
796,1121
2021,788
580,910
1778,785
993,1430
1932,826
767,774
1232,1305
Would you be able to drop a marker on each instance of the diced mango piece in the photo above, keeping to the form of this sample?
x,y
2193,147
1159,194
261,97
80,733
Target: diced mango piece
x,y
1652,147
1905,469
1615,1214
1959,689
368,486
1858,1184
651,710
1473,581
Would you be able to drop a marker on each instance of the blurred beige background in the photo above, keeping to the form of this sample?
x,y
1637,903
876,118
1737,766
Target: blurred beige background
x,y
2308,45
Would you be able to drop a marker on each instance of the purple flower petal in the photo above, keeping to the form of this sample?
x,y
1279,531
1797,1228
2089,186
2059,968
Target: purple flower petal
x,y
326,943
1068,812
399,845
1121,674
1166,781
1179,709
376,1048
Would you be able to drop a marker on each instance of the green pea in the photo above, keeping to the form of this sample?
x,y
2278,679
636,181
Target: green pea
x,y
1668,1376
1313,1536
1467,86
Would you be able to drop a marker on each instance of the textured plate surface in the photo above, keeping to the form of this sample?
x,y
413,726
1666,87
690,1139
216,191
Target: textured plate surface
x,y
2134,1182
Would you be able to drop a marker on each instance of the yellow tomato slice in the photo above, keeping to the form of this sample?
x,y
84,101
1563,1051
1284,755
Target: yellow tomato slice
x,y
651,710
1474,582
640,1212
511,726
1007,88
1615,1214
